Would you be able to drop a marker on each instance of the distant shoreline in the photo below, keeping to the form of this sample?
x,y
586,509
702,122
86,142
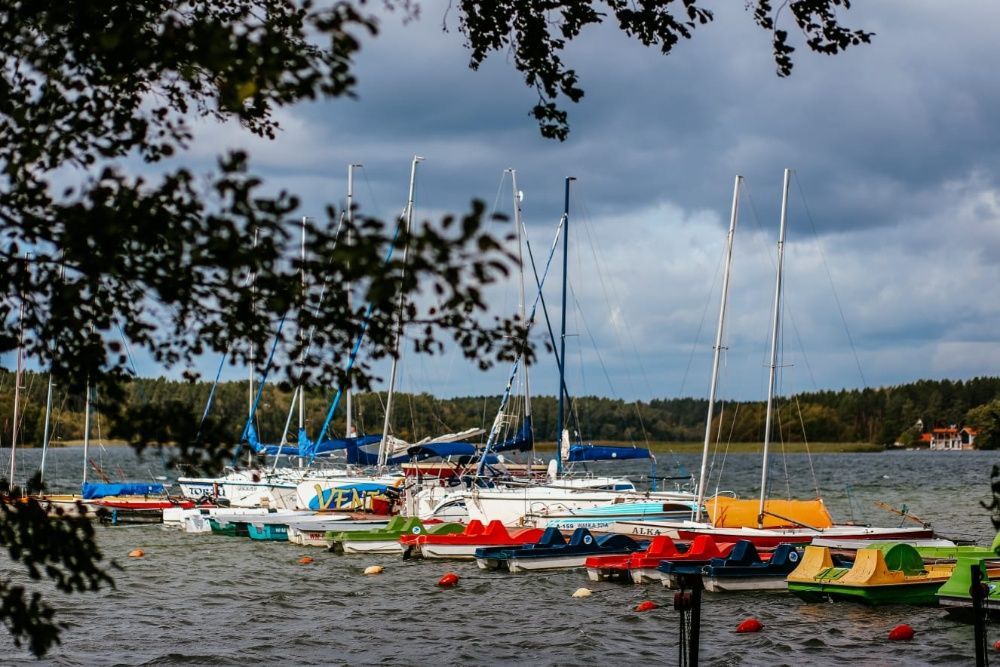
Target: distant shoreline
x,y
746,447
656,447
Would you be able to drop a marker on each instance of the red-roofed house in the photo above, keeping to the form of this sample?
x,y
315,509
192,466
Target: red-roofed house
x,y
953,438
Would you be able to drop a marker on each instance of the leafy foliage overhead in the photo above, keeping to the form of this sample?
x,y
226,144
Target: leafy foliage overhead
x,y
536,33
97,260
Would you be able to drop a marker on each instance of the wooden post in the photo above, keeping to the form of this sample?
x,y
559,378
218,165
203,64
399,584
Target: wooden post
x,y
978,593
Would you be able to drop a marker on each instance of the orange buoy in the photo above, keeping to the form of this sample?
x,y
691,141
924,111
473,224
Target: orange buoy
x,y
750,625
374,569
996,645
646,605
305,560
448,580
901,632
136,553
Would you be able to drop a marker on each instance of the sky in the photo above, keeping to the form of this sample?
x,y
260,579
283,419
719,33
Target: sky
x,y
893,215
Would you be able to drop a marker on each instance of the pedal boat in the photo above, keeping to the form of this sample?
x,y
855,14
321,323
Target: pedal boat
x,y
888,574
552,551
463,546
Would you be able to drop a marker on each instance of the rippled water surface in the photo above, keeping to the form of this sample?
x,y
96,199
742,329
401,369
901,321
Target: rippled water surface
x,y
200,599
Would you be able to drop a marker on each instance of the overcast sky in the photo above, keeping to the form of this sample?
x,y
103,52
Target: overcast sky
x,y
894,218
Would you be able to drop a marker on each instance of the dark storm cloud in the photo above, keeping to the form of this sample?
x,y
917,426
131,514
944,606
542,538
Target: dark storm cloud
x,y
895,149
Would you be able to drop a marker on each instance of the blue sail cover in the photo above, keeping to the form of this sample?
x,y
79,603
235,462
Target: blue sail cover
x,y
270,450
523,441
581,452
309,448
94,491
441,449
446,449
363,451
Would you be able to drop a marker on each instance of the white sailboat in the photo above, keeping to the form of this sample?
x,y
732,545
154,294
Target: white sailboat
x,y
765,522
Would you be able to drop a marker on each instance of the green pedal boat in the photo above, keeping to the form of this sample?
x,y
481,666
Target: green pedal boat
x,y
955,594
387,540
887,574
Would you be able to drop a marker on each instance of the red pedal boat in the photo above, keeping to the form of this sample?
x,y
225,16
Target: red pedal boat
x,y
641,565
463,545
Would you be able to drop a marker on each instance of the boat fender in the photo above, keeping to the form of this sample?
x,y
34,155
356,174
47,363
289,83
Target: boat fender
x,y
448,580
582,593
750,625
646,605
305,560
136,553
374,569
901,632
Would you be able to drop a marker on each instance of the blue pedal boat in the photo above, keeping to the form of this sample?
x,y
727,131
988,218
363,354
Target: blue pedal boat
x,y
742,570
745,570
553,551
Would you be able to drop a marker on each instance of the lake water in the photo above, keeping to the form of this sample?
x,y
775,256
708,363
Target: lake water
x,y
200,599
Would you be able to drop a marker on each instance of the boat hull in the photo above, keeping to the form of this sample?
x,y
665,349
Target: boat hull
x,y
520,564
914,594
271,532
371,547
644,575
449,551
749,583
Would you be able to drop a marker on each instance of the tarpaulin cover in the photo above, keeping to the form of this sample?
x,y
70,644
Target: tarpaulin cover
x,y
93,491
581,452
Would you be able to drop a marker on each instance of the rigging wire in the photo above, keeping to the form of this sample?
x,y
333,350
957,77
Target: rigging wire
x,y
701,323
607,292
829,275
805,439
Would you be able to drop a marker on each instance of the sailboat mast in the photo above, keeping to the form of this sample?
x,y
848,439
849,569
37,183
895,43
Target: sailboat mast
x,y
520,260
383,450
717,354
48,407
45,431
302,279
253,314
349,405
86,431
775,322
253,310
561,414
18,379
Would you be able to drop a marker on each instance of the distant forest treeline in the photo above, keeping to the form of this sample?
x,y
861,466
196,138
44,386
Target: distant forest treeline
x,y
884,415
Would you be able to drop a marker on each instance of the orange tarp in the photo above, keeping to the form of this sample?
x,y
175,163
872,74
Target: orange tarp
x,y
725,512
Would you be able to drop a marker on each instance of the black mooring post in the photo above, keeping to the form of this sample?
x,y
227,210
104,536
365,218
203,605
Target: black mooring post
x,y
693,637
688,599
978,594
